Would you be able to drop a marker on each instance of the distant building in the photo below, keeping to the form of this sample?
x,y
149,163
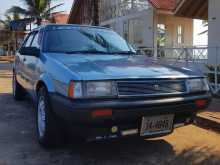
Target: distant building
x,y
144,23
58,18
10,41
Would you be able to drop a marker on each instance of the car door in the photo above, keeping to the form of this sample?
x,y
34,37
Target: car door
x,y
31,64
20,62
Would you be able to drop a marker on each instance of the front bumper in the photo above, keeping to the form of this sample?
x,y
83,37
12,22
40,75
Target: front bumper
x,y
126,113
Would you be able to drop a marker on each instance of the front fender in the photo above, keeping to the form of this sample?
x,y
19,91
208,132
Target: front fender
x,y
48,81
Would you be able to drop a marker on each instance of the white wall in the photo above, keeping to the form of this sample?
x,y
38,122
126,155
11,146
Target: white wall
x,y
214,32
146,16
172,23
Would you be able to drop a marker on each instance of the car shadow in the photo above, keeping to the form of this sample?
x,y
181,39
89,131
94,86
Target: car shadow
x,y
117,152
132,152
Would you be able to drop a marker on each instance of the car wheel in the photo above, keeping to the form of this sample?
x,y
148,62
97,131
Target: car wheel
x,y
48,130
17,90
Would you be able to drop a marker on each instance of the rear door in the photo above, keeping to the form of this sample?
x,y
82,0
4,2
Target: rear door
x,y
21,78
32,62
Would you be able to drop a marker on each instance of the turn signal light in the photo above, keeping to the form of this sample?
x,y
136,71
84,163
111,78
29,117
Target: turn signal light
x,y
200,103
101,113
71,89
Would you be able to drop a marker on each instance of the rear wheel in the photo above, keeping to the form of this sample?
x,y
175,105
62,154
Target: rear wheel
x,y
48,126
18,91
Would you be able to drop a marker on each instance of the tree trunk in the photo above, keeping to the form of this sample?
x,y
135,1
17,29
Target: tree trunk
x,y
96,12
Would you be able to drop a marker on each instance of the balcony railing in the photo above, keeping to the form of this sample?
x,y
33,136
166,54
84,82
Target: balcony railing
x,y
195,58
122,9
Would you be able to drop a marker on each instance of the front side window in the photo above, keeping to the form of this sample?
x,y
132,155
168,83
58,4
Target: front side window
x,y
84,40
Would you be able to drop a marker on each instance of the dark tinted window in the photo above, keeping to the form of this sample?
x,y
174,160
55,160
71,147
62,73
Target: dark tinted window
x,y
84,39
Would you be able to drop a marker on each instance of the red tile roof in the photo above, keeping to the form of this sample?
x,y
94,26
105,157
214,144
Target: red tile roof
x,y
168,5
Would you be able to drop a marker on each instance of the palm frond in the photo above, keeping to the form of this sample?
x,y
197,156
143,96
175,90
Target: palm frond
x,y
28,3
54,7
204,32
17,9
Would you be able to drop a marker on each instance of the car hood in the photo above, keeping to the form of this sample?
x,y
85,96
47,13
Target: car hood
x,y
99,67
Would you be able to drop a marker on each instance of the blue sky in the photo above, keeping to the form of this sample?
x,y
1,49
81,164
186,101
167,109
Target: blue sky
x,y
5,4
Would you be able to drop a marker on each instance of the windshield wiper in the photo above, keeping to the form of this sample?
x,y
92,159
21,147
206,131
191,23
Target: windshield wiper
x,y
86,52
123,52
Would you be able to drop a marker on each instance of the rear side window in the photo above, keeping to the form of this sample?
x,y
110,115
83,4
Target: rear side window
x,y
29,40
37,40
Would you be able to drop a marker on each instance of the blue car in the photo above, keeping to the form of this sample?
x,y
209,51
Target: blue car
x,y
90,82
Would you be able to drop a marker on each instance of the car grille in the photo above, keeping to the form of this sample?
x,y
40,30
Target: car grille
x,y
150,88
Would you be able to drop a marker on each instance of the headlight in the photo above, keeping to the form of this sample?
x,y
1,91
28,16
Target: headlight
x,y
197,85
92,89
100,89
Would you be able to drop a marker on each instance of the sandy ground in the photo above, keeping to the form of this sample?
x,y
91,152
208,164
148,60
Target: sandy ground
x,y
18,146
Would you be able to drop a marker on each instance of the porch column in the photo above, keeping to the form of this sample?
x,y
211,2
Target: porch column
x,y
214,31
155,22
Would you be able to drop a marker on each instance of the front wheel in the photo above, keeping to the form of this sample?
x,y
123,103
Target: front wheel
x,y
48,130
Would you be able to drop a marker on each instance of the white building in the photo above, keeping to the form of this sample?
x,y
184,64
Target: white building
x,y
147,23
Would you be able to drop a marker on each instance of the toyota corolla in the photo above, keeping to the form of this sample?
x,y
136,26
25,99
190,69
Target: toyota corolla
x,y
89,81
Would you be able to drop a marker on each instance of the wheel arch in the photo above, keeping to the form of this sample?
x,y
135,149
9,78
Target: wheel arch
x,y
45,81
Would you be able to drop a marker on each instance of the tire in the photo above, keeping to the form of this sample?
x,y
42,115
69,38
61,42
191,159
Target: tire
x,y
48,131
18,91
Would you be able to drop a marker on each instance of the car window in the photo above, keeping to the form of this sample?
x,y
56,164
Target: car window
x,y
29,40
84,39
36,41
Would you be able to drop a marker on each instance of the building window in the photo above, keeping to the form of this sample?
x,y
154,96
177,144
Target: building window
x,y
138,27
161,35
180,39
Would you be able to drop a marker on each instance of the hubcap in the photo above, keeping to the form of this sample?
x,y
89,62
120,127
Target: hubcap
x,y
41,117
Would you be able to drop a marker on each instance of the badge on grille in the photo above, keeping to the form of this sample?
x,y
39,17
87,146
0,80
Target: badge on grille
x,y
156,87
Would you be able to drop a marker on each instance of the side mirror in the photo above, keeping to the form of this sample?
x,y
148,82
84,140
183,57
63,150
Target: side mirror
x,y
30,51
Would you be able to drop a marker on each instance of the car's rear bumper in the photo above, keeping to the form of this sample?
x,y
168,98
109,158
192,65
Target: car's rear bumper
x,y
126,113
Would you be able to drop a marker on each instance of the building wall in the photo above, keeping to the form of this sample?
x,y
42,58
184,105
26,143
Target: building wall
x,y
214,31
171,24
135,20
82,12
139,27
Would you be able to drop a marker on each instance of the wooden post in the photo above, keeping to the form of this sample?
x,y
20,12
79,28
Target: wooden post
x,y
96,12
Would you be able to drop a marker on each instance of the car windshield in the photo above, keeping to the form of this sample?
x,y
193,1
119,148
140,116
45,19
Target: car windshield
x,y
86,40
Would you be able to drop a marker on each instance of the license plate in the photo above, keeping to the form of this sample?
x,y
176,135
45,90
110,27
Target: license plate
x,y
156,125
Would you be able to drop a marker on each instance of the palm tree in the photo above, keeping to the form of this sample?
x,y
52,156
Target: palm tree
x,y
8,18
36,9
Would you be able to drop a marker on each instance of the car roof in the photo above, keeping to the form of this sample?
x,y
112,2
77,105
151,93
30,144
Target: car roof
x,y
64,26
